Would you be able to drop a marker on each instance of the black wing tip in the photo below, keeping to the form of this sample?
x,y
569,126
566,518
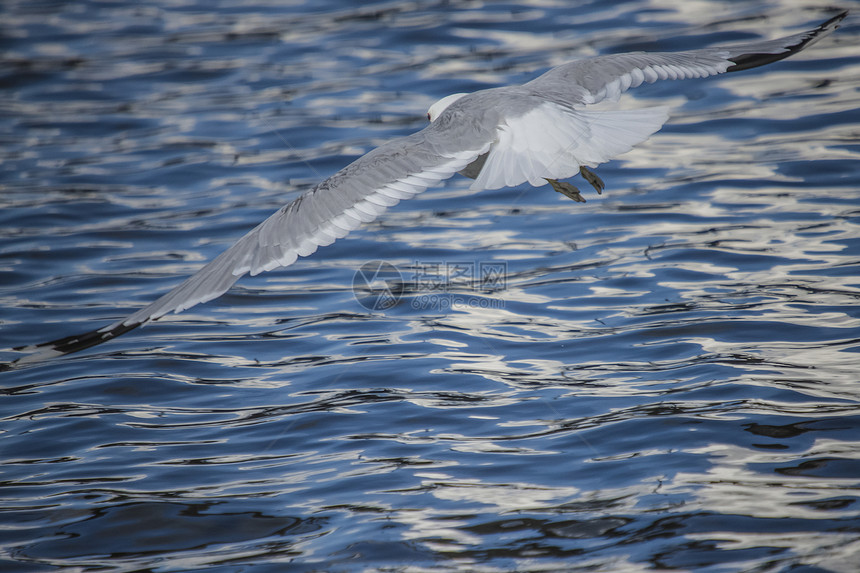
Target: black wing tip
x,y
747,61
825,28
67,345
78,342
834,21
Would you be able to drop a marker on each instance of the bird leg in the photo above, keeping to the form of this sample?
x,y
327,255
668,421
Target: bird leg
x,y
566,189
592,178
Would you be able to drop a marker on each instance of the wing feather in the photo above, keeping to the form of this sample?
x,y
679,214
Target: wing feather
x,y
592,80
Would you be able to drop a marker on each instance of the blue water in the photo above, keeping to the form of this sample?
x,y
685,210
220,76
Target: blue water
x,y
662,378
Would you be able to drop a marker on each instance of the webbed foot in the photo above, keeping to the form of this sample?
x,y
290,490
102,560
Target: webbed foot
x,y
566,189
592,178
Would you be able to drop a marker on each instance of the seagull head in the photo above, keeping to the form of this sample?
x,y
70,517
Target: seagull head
x,y
437,108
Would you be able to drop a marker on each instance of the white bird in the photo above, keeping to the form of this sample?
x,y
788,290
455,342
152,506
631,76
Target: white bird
x,y
541,131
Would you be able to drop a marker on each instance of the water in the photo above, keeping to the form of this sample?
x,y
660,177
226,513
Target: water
x,y
661,378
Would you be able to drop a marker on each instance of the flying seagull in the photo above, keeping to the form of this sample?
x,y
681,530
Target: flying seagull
x,y
540,132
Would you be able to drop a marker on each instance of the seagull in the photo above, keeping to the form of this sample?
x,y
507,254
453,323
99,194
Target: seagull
x,y
539,132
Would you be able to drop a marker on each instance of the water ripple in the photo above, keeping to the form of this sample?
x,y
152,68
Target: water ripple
x,y
665,378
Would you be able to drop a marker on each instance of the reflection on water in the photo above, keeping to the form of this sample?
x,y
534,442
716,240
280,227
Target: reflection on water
x,y
666,380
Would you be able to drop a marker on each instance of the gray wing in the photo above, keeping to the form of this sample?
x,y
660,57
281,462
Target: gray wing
x,y
592,80
357,194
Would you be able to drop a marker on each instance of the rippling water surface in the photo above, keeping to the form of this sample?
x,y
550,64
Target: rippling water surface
x,y
662,378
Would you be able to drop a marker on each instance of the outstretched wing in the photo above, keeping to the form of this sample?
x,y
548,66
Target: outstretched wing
x,y
595,79
357,194
557,135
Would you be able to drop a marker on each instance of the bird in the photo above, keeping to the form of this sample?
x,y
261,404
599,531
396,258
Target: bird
x,y
543,131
